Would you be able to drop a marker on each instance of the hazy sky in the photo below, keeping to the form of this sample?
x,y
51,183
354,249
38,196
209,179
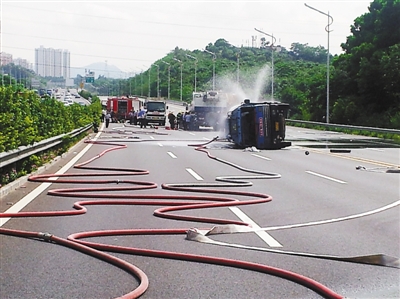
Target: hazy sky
x,y
133,34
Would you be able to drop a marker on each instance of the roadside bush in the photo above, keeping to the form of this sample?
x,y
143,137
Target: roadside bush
x,y
25,119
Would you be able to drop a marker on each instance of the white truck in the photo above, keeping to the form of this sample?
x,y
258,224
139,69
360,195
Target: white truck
x,y
210,109
156,112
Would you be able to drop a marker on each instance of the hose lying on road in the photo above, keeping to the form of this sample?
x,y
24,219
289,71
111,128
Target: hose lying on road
x,y
170,203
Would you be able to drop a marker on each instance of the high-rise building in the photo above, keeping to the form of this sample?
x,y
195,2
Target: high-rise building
x,y
66,71
23,63
52,62
57,65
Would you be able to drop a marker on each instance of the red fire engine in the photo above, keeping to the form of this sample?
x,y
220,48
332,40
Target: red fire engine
x,y
121,106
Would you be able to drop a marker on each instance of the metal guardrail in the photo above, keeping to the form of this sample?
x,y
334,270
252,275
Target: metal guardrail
x,y
22,152
333,126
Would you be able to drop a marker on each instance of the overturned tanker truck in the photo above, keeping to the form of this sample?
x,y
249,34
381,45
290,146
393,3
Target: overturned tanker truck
x,y
261,125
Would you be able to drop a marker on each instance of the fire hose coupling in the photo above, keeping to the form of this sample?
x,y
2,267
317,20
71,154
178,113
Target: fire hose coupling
x,y
193,234
229,229
45,236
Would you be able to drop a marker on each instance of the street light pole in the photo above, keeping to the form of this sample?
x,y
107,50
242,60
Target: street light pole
x,y
130,83
141,82
214,58
238,72
169,77
272,59
158,79
195,70
330,21
181,74
134,90
149,82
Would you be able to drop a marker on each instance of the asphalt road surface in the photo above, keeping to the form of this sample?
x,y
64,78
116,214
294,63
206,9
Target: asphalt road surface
x,y
331,229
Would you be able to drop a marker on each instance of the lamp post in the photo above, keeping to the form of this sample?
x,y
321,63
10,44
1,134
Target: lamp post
x,y
195,70
214,58
169,77
135,84
130,83
238,72
149,82
141,82
181,74
272,60
158,79
330,21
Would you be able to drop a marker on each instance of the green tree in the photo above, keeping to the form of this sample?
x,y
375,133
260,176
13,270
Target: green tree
x,y
305,52
369,67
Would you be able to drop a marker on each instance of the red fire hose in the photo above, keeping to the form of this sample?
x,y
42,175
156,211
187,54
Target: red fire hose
x,y
170,203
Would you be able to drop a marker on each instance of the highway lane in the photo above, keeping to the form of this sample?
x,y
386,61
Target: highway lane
x,y
314,187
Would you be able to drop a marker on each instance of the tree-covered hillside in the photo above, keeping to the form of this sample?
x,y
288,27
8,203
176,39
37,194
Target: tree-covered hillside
x,y
364,84
364,81
367,77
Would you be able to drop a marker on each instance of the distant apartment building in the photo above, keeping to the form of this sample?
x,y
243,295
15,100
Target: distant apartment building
x,y
23,63
66,70
5,58
8,58
52,62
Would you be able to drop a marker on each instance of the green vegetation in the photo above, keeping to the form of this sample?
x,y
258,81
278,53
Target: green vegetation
x,y
25,118
364,81
367,89
364,85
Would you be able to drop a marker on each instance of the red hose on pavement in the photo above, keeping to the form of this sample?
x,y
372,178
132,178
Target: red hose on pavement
x,y
128,267
305,281
170,204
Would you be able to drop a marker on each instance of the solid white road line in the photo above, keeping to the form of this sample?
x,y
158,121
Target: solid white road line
x,y
333,220
375,149
43,186
325,177
262,157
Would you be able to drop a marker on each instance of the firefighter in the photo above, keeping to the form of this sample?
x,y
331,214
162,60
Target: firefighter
x,y
130,115
107,118
187,121
142,118
179,118
171,119
135,117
